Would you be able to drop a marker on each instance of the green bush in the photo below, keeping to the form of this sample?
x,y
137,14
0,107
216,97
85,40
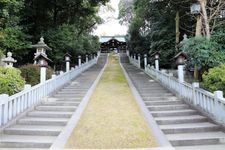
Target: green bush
x,y
214,79
31,73
11,81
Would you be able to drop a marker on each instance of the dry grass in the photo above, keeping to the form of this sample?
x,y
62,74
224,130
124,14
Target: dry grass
x,y
112,118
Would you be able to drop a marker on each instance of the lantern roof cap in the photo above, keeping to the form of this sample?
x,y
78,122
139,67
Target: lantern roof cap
x,y
42,55
67,54
41,44
181,53
155,53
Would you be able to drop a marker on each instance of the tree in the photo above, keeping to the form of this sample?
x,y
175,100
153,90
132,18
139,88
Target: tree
x,y
12,36
126,11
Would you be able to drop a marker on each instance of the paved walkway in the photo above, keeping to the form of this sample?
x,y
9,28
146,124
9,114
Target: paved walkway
x,y
184,127
40,127
112,118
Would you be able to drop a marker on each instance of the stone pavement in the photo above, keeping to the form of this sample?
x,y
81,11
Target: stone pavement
x,y
185,127
40,127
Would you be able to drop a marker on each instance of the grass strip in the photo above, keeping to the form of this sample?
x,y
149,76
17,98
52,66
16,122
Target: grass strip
x,y
112,118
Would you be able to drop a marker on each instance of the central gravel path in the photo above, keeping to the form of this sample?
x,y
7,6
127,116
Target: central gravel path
x,y
112,118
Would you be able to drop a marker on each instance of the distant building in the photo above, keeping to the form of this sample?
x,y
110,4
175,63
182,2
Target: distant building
x,y
110,43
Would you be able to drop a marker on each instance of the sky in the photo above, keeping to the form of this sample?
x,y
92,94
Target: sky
x,y
112,26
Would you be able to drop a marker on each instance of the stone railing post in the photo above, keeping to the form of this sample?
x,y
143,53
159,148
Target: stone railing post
x,y
29,98
4,98
217,110
194,86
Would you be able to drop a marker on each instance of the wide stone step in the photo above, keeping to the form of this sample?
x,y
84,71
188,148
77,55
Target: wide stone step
x,y
189,128
74,88
43,121
180,119
202,147
164,102
72,92
159,98
72,99
156,94
65,96
190,139
69,95
168,107
184,112
22,141
56,108
61,103
33,130
50,114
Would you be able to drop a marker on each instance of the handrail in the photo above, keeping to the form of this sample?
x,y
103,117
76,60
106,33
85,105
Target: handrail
x,y
134,61
12,106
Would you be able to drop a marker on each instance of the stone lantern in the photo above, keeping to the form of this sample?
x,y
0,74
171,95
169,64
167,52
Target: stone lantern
x,y
156,55
67,57
9,60
195,8
42,60
180,61
41,47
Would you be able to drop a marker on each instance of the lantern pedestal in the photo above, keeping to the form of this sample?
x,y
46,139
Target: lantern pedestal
x,y
42,74
145,61
79,61
181,73
67,66
157,64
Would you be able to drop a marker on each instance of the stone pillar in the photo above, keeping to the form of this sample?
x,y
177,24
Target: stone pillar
x,y
86,58
157,64
42,74
145,60
139,60
79,60
67,66
181,73
218,111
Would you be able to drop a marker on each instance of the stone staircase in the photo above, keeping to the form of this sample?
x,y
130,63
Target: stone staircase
x,y
40,127
184,127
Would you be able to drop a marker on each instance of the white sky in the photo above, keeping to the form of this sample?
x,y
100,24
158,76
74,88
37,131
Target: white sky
x,y
112,26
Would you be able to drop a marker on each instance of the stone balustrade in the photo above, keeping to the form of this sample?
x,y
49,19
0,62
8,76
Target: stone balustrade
x,y
12,106
211,104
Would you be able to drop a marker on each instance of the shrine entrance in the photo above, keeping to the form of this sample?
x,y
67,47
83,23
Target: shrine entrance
x,y
113,43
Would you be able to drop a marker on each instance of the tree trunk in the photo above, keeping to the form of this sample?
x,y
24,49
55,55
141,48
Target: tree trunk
x,y
198,31
205,17
177,19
